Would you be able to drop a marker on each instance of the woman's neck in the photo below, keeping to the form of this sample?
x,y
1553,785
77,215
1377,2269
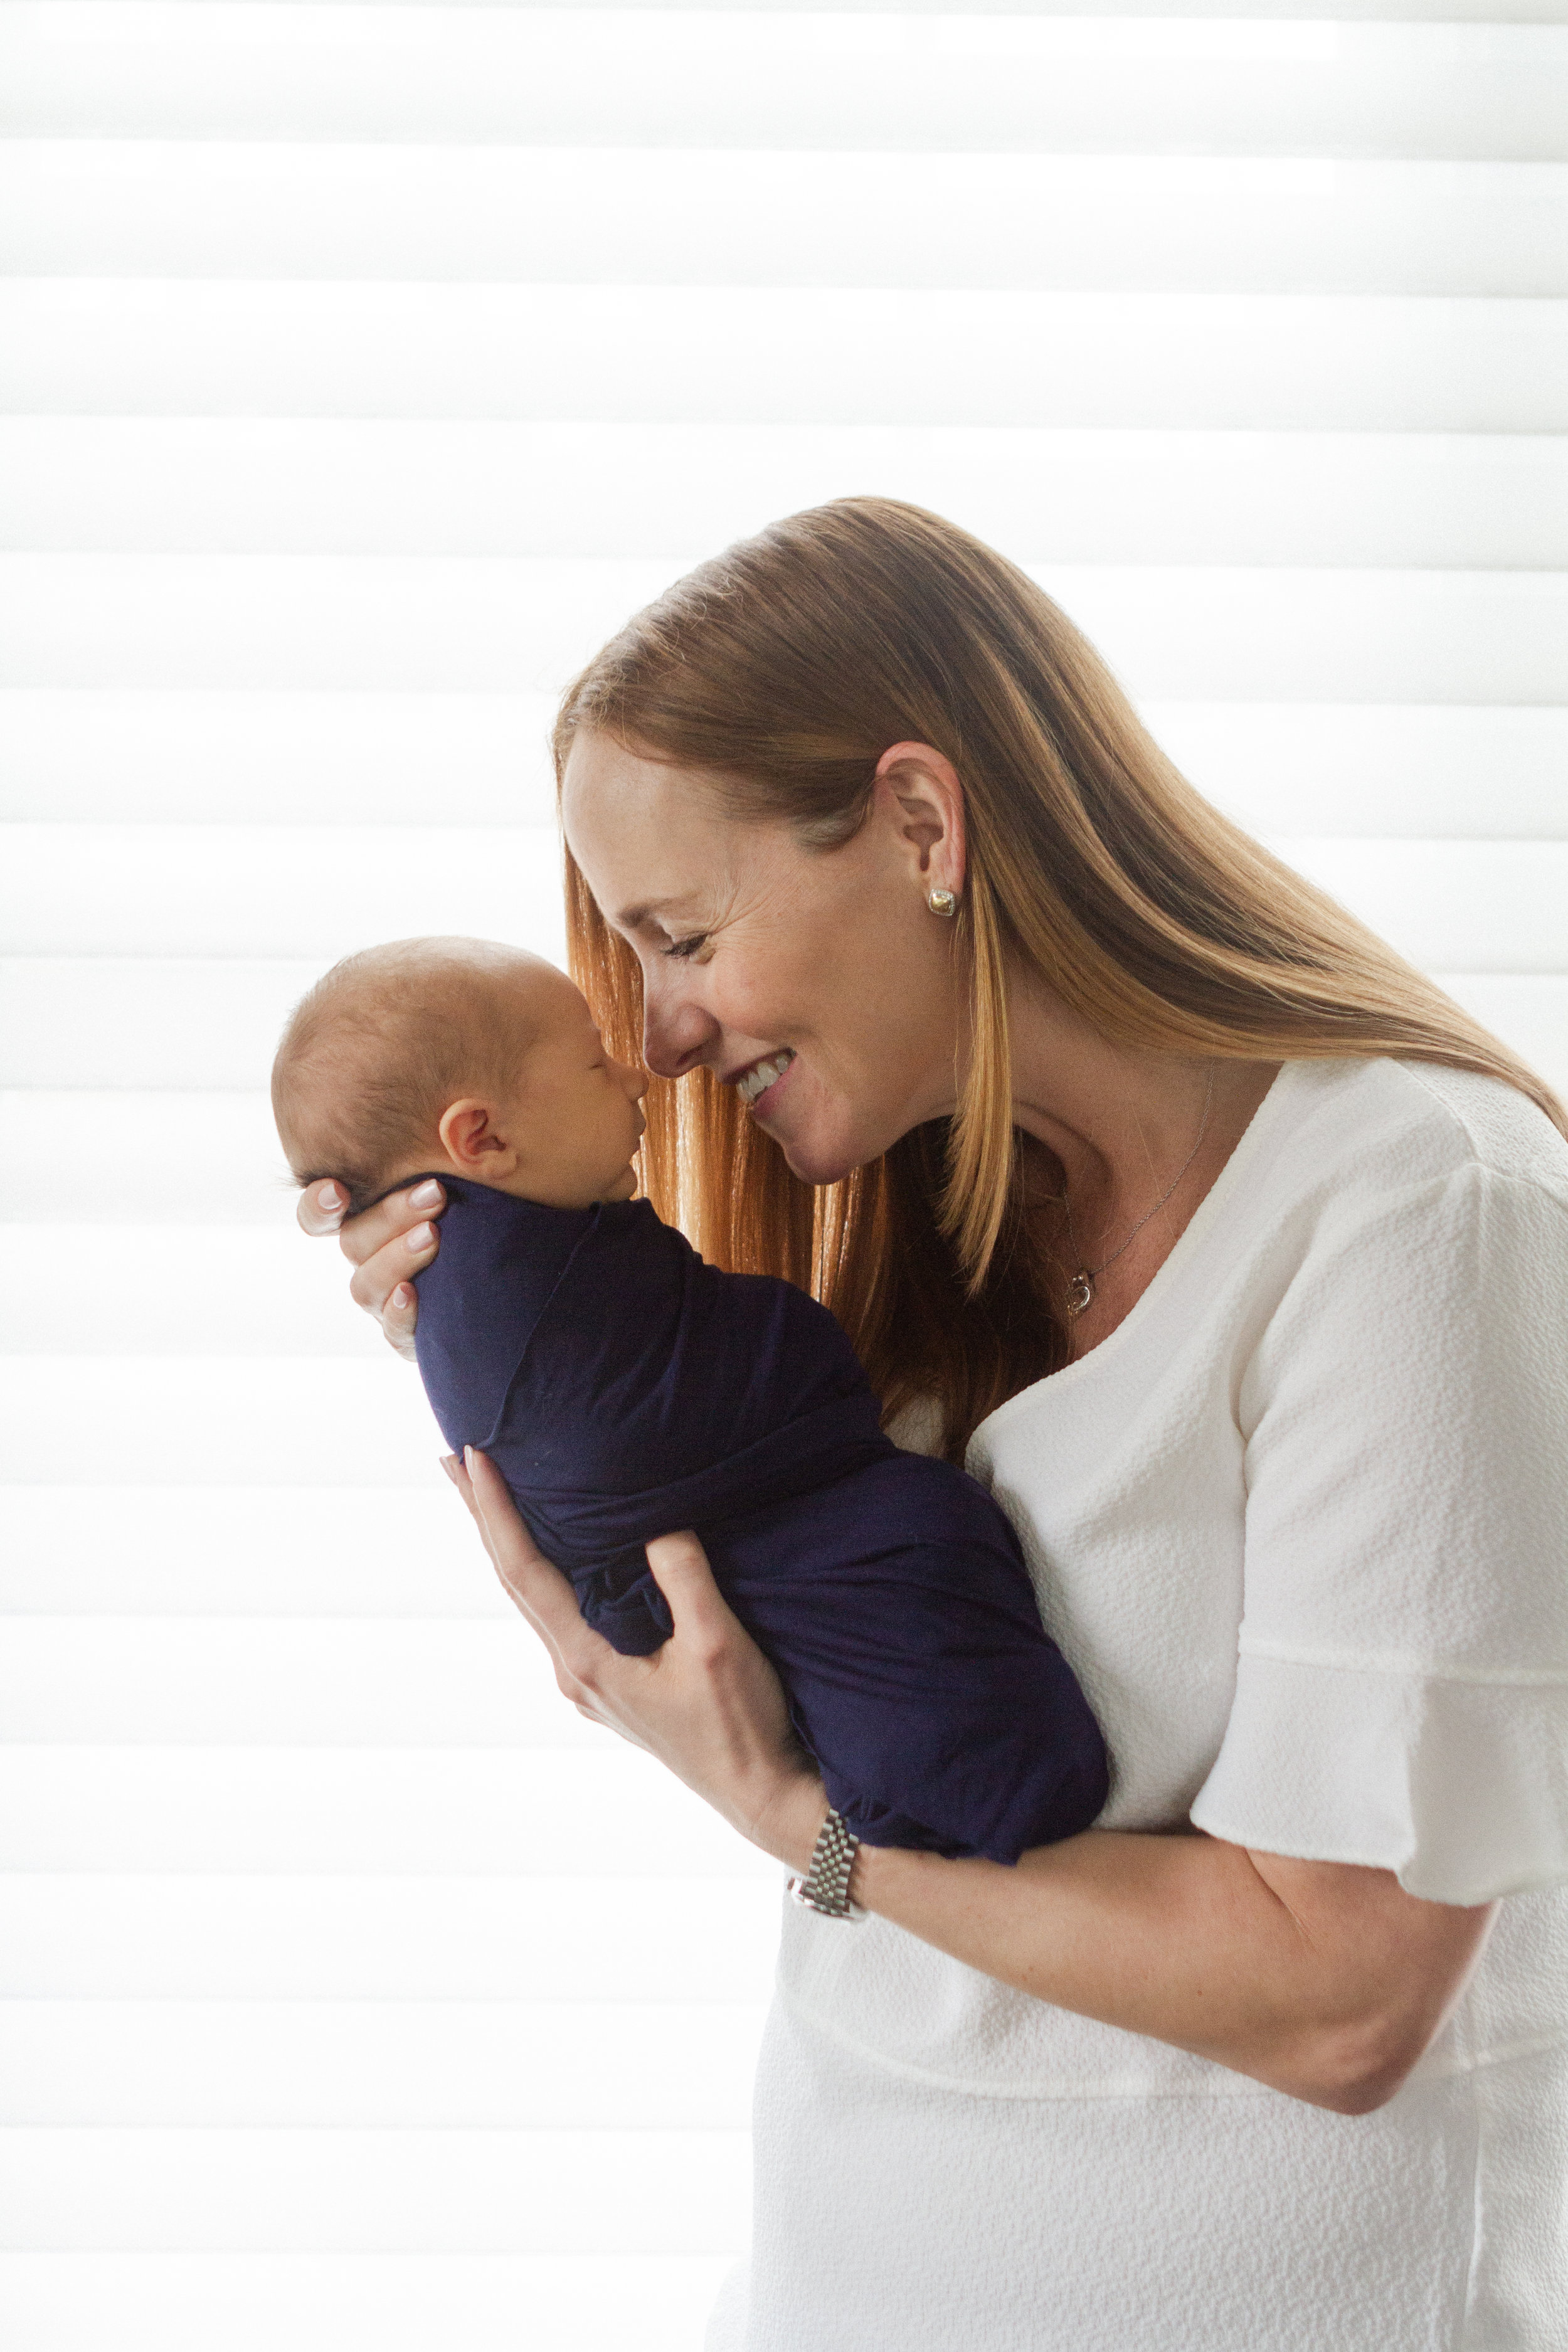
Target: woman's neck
x,y
1137,1138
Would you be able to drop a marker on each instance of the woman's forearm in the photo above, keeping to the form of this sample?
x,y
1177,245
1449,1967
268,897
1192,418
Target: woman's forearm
x,y
1322,1979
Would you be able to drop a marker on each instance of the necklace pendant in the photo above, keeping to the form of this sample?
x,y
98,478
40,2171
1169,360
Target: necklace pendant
x,y
1080,1294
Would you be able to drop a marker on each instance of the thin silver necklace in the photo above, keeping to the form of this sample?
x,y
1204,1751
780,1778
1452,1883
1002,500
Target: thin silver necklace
x,y
1080,1287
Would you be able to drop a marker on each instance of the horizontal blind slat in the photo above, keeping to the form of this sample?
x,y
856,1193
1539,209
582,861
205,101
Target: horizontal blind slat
x,y
727,354
98,756
370,2064
1484,501
143,209
431,1812
278,1682
1478,12
481,2192
243,1551
273,890
332,756
491,625
205,1157
397,2301
535,1939
791,81
169,1290
147,1021
265,1421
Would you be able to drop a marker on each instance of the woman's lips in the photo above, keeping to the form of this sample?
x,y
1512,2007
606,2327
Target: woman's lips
x,y
762,1078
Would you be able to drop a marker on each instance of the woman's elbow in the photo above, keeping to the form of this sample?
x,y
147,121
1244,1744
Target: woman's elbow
x,y
1355,2067
1377,1972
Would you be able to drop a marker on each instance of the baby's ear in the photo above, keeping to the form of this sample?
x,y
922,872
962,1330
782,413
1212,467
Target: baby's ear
x,y
468,1136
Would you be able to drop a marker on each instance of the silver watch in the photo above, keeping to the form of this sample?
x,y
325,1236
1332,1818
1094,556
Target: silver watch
x,y
825,1889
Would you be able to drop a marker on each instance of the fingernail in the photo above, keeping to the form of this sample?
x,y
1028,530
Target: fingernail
x,y
450,1465
420,1238
426,1195
328,1198
469,1458
402,1297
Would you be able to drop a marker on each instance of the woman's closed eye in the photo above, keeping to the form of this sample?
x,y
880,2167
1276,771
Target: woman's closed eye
x,y
689,947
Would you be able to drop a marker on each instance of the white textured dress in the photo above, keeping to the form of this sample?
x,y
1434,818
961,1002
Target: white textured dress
x,y
1300,1524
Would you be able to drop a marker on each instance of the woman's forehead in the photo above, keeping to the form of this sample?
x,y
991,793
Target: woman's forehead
x,y
606,787
641,832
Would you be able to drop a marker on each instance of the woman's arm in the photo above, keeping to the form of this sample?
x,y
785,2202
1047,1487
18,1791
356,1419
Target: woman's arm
x,y
387,1245
1320,1979
1323,1980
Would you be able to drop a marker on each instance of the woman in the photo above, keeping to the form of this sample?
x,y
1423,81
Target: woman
x,y
1235,1259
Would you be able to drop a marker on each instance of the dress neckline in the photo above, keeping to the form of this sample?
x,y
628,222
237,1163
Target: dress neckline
x,y
1193,1240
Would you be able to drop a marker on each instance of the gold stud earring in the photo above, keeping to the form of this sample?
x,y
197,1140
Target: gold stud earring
x,y
942,902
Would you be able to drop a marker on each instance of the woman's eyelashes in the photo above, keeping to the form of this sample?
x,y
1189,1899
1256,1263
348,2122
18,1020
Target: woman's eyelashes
x,y
689,946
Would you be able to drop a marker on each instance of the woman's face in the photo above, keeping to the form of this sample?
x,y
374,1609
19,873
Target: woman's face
x,y
817,983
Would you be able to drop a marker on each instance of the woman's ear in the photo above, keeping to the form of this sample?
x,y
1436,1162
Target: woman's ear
x,y
920,796
470,1141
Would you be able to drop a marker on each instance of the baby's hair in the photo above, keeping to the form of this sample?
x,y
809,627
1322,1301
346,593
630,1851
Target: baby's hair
x,y
374,1054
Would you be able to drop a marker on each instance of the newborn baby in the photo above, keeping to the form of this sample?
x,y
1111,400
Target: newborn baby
x,y
625,1390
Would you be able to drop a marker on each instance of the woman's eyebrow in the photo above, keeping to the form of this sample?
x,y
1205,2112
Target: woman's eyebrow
x,y
631,919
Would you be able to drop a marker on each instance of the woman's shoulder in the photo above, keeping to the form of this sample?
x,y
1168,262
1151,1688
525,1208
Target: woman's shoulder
x,y
1412,1209
1358,1128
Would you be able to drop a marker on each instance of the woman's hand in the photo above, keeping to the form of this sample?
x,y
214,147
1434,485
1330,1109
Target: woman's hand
x,y
386,1245
708,1703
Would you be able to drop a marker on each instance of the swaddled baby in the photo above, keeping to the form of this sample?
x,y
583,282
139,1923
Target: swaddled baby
x,y
626,1389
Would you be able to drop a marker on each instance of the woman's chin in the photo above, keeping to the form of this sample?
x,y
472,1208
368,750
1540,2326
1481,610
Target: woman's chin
x,y
819,1158
823,1136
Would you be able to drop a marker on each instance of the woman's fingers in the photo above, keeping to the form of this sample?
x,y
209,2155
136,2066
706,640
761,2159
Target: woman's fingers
x,y
319,1207
386,1245
390,1245
702,1616
708,1703
505,1547
398,1318
394,1220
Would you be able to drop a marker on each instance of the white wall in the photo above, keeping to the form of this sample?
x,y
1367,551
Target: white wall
x,y
360,367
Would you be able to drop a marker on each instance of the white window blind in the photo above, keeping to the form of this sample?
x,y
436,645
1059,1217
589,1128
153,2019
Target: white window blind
x,y
361,366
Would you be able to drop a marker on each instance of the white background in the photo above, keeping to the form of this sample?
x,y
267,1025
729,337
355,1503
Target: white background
x,y
361,366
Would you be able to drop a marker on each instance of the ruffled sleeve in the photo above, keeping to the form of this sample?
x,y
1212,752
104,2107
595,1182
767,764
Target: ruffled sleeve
x,y
1402,1685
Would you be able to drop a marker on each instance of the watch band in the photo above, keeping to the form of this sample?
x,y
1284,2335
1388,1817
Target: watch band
x,y
825,1889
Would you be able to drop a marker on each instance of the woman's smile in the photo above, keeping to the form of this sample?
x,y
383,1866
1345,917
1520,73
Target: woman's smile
x,y
762,1082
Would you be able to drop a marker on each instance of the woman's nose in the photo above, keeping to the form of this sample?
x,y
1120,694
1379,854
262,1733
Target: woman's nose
x,y
676,1033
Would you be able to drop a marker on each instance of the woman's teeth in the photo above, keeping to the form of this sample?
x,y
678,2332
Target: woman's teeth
x,y
760,1075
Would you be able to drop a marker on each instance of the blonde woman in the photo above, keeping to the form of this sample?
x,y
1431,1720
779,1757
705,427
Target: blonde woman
x,y
1234,1258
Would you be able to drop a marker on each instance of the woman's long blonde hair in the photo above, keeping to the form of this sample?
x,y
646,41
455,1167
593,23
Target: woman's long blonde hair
x,y
782,671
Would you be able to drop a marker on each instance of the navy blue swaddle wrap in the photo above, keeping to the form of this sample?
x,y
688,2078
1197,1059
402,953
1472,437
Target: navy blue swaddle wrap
x,y
625,1389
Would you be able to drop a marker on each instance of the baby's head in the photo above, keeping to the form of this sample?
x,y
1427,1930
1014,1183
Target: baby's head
x,y
455,1056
